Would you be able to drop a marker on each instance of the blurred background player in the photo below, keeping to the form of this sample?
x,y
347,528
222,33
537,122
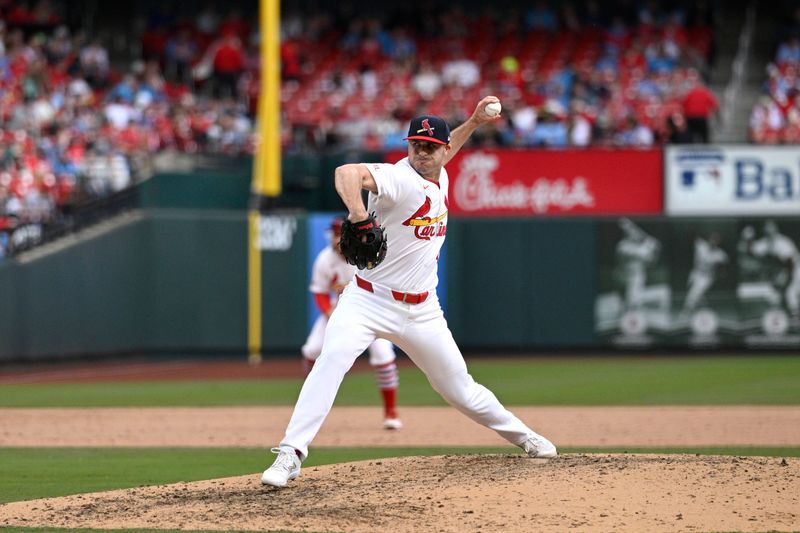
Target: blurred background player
x,y
329,276
636,252
708,255
781,249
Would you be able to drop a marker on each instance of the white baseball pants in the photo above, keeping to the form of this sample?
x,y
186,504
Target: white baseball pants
x,y
381,352
418,329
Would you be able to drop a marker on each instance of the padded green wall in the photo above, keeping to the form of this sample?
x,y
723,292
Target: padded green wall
x,y
521,283
198,269
158,280
285,301
86,298
175,280
11,330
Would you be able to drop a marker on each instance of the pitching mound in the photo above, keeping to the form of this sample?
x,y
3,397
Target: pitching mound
x,y
457,493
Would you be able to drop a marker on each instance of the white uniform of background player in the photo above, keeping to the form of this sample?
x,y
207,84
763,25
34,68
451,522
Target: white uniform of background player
x,y
397,299
330,274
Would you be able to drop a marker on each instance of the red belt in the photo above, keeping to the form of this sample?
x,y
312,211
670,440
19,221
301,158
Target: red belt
x,y
406,297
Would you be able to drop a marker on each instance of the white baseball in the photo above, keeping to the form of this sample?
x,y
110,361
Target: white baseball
x,y
493,109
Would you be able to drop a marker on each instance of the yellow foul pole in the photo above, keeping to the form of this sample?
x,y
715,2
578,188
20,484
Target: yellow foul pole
x,y
266,182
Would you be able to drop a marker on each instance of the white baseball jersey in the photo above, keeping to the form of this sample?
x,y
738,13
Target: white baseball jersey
x,y
413,212
330,273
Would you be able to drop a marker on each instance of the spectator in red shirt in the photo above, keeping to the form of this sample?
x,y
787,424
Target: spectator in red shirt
x,y
228,63
291,64
699,104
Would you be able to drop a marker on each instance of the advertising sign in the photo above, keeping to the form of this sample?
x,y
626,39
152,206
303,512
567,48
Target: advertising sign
x,y
732,180
554,182
276,233
700,283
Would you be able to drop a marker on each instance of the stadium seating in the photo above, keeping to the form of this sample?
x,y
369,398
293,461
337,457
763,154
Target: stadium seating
x,y
77,122
775,118
627,74
75,128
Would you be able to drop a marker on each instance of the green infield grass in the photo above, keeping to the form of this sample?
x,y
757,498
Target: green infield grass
x,y
654,380
31,473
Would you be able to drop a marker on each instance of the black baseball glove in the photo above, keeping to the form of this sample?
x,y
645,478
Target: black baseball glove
x,y
363,244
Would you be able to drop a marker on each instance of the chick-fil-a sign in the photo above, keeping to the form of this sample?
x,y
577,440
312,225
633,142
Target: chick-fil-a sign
x,y
549,182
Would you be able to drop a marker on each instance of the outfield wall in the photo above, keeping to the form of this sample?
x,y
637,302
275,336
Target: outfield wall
x,y
539,257
148,281
172,281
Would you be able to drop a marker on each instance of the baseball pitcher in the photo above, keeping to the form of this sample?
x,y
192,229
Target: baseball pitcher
x,y
395,241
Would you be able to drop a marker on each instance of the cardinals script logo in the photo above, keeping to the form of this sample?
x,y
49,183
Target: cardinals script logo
x,y
424,226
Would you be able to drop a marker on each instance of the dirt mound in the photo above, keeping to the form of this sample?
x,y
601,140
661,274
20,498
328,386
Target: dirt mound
x,y
456,493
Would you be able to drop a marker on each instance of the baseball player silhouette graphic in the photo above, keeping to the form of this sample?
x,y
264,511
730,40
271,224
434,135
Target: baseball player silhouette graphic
x,y
330,274
396,300
781,248
708,256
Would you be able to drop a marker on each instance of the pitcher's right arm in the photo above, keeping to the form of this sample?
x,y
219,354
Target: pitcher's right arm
x,y
349,181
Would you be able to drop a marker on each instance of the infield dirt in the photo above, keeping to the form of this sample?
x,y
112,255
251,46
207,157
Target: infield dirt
x,y
456,493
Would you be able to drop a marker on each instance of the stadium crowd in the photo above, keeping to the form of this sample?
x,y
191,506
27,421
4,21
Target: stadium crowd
x,y
580,74
77,122
75,128
616,74
775,118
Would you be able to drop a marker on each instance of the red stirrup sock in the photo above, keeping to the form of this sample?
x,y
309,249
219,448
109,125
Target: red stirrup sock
x,y
389,403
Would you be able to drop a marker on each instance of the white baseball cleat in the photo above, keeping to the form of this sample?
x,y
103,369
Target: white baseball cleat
x,y
285,467
538,446
392,423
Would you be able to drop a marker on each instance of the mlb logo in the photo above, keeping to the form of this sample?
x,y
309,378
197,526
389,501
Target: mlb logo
x,y
699,176
699,167
690,177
